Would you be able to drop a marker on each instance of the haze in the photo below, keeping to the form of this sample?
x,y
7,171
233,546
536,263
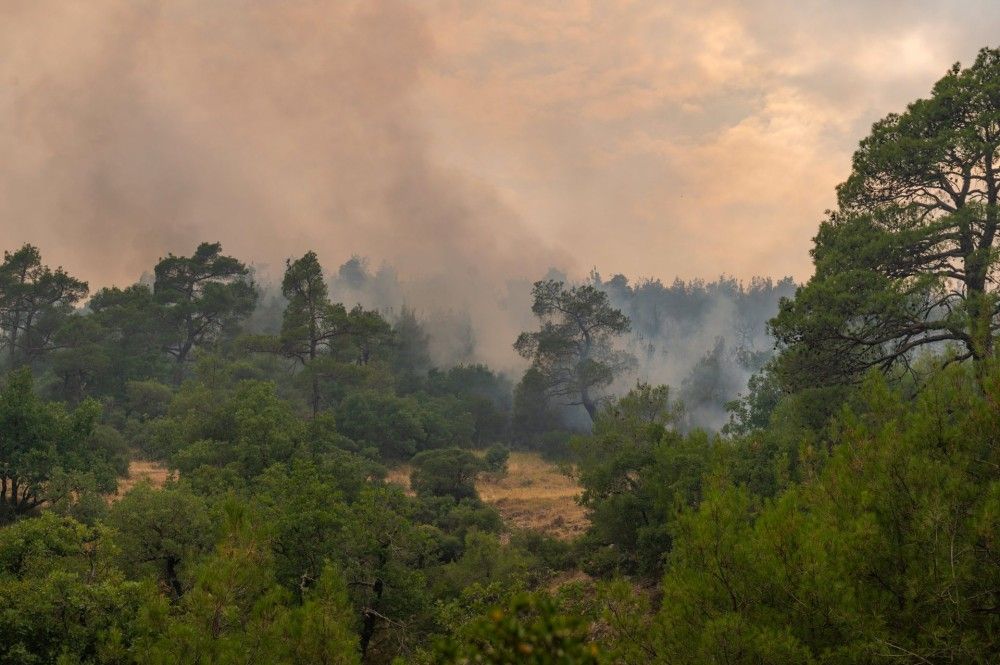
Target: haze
x,y
457,140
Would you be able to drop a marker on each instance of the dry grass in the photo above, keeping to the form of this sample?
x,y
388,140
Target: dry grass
x,y
138,471
534,494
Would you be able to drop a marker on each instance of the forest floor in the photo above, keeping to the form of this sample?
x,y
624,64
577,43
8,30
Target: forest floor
x,y
535,494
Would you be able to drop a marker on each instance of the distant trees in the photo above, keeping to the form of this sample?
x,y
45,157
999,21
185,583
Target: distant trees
x,y
202,296
370,333
573,351
314,328
129,320
311,321
909,258
35,301
412,359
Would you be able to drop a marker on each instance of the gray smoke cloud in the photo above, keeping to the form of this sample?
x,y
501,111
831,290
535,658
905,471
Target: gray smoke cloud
x,y
134,127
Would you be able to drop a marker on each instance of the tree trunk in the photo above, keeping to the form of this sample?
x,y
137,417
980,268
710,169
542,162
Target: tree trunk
x,y
370,621
588,404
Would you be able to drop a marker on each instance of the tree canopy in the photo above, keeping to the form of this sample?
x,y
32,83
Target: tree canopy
x,y
203,296
908,260
573,350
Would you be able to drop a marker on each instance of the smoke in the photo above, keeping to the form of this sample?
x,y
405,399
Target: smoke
x,y
704,339
137,127
464,144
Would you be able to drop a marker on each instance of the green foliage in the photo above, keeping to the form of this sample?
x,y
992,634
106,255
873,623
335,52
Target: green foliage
x,y
399,427
248,430
886,552
160,532
35,303
533,416
147,399
905,261
40,441
412,359
390,424
446,472
530,629
572,352
481,392
236,613
485,561
63,601
311,324
636,472
131,337
203,297
495,460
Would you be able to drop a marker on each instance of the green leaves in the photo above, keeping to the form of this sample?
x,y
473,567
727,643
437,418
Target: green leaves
x,y
39,440
881,555
446,472
35,302
530,629
906,260
572,351
202,297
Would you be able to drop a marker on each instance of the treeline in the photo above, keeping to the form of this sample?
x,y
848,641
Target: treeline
x,y
707,338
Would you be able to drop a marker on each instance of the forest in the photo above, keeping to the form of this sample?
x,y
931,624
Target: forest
x,y
770,472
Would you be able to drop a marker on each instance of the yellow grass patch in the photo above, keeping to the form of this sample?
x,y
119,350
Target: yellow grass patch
x,y
138,471
534,494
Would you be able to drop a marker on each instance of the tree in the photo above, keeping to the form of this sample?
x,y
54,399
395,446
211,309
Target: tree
x,y
132,333
40,441
484,393
532,413
34,302
412,358
235,612
530,629
82,359
909,257
446,472
887,554
203,296
636,469
311,322
573,350
64,602
162,531
496,458
369,331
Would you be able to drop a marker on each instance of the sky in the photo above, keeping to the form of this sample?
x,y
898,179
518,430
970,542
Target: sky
x,y
463,141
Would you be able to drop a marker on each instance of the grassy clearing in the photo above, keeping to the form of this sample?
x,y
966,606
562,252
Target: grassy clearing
x,y
138,471
534,494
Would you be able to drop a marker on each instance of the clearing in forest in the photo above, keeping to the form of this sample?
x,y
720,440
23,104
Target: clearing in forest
x,y
139,470
535,494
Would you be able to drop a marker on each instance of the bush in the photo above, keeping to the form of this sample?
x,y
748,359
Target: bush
x,y
496,459
530,629
446,472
